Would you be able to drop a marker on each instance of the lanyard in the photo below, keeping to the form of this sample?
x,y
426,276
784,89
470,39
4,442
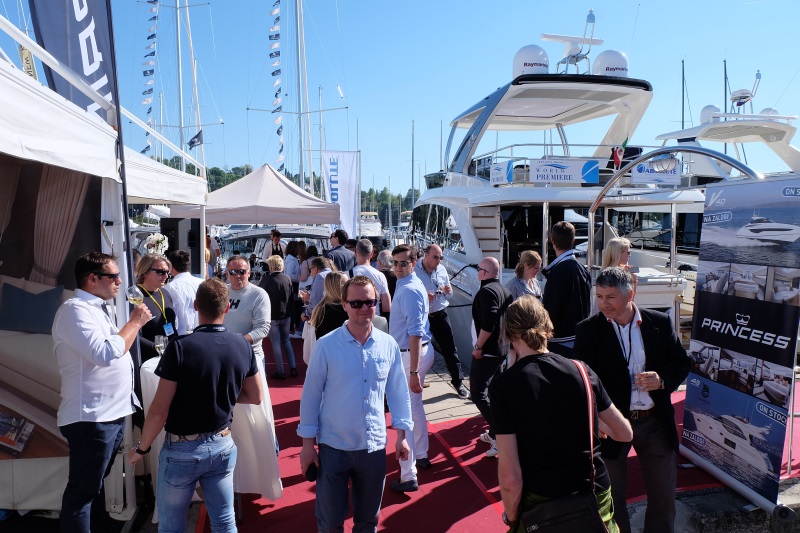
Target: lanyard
x,y
622,344
161,307
210,328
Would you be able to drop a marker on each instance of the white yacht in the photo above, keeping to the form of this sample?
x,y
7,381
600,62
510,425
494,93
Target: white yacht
x,y
735,435
512,173
763,229
370,225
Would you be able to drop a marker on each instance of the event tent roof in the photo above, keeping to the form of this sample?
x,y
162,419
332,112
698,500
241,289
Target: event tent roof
x,y
262,197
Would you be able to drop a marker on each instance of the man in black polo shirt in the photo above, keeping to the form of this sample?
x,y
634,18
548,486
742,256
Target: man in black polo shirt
x,y
488,308
203,375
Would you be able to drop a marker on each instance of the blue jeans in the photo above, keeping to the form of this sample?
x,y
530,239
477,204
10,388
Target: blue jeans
x,y
210,460
92,447
279,336
367,471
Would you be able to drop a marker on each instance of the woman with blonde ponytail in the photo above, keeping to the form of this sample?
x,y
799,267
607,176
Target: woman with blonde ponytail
x,y
541,422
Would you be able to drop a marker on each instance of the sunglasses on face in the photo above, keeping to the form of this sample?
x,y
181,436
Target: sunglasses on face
x,y
240,272
358,304
479,269
115,277
401,263
159,271
439,257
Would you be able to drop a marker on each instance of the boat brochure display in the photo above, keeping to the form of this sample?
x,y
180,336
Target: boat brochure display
x,y
744,334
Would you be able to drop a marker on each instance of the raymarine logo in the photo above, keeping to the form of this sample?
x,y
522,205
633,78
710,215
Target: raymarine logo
x,y
716,199
527,64
741,331
616,69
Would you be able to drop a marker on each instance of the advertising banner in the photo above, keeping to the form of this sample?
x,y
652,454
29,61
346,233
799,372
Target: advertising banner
x,y
644,174
341,176
565,171
77,34
744,334
501,173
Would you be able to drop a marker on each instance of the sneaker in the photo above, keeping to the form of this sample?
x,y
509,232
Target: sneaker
x,y
423,462
404,486
278,375
461,390
293,372
486,438
492,452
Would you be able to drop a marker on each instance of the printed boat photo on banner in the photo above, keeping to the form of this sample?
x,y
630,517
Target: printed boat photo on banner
x,y
705,359
713,276
741,435
737,371
747,281
735,232
783,286
774,384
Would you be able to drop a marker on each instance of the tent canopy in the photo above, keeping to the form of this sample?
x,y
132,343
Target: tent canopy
x,y
262,197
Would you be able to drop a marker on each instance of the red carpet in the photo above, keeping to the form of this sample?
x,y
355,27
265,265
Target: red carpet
x,y
459,493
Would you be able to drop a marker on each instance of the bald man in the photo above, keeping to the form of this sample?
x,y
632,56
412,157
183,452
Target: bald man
x,y
488,307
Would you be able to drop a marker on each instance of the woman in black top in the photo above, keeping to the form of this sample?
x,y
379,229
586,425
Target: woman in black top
x,y
541,421
329,314
279,289
151,274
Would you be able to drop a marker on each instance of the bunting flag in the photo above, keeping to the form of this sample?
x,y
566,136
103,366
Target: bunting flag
x,y
280,150
149,63
280,130
150,46
154,17
280,159
151,36
145,150
152,10
275,37
277,102
149,110
147,72
274,12
277,20
274,46
276,63
151,54
273,55
278,92
280,168
196,140
277,82
276,27
276,72
147,101
278,109
277,3
152,28
278,120
149,83
148,91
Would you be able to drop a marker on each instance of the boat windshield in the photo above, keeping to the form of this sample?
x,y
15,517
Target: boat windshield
x,y
732,428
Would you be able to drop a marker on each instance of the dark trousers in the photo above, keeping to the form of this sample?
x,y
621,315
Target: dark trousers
x,y
481,372
92,448
657,458
297,306
367,471
442,333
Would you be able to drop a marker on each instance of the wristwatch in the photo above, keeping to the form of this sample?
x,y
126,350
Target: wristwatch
x,y
141,451
662,383
414,372
478,347
508,522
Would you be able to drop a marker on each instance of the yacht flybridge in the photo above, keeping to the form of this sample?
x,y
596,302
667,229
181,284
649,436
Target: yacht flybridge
x,y
538,148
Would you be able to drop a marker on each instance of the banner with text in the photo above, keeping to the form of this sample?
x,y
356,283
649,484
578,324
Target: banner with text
x,y
744,333
340,171
77,34
644,173
565,171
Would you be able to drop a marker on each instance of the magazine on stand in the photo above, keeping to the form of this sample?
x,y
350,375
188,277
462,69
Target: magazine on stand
x,y
15,431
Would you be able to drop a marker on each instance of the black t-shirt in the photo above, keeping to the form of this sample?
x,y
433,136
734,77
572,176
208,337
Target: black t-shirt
x,y
210,366
541,399
334,317
488,308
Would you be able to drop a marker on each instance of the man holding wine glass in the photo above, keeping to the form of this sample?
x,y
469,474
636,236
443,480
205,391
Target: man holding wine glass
x,y
640,361
96,386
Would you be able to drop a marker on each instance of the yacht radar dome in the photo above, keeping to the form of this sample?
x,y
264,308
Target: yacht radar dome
x,y
530,59
769,111
611,63
706,114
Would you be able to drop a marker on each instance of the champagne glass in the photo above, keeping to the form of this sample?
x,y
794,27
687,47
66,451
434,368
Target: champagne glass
x,y
160,342
134,295
638,368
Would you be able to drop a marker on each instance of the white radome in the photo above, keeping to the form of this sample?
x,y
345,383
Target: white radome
x,y
530,59
611,63
706,112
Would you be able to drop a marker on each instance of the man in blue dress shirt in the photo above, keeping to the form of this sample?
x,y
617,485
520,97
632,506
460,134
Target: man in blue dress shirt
x,y
351,371
408,324
434,276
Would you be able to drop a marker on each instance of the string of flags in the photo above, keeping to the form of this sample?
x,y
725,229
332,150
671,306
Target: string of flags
x,y
275,54
149,72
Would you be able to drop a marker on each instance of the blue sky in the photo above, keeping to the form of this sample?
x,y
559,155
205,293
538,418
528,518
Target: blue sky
x,y
429,61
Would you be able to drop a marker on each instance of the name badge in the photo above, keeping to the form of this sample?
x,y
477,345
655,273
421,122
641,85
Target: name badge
x,y
169,331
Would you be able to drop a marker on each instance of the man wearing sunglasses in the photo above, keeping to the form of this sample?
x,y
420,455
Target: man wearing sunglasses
x,y
352,369
96,386
408,324
434,276
343,258
250,310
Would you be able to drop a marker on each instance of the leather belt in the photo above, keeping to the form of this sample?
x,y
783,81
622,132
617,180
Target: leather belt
x,y
636,415
440,312
196,436
424,344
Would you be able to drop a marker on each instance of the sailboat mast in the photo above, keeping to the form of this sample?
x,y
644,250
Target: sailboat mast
x,y
180,79
305,96
194,87
298,8
412,169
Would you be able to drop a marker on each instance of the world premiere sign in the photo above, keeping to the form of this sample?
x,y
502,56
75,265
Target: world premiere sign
x,y
565,171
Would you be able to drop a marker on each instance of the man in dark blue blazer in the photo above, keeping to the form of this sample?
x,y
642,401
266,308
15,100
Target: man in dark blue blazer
x,y
638,357
343,258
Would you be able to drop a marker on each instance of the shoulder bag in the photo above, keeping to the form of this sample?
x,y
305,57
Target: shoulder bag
x,y
577,511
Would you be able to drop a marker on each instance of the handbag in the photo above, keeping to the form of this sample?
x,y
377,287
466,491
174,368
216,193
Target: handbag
x,y
577,511
309,340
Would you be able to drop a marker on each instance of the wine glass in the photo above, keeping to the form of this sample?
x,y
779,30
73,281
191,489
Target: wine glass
x,y
134,295
638,368
160,343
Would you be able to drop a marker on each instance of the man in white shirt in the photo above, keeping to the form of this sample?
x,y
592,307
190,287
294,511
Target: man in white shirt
x,y
183,289
363,268
96,386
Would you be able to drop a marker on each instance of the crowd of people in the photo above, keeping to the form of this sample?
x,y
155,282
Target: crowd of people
x,y
368,319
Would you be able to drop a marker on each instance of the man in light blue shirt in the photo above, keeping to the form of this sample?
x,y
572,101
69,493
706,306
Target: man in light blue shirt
x,y
408,324
433,276
351,370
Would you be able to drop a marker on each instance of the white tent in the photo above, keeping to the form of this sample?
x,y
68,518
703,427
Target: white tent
x,y
262,197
